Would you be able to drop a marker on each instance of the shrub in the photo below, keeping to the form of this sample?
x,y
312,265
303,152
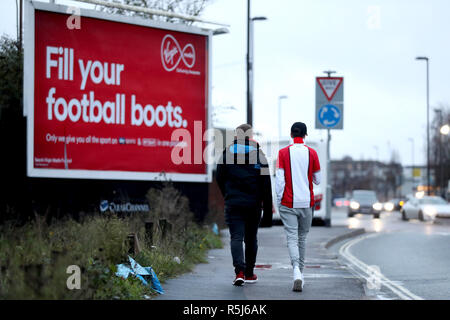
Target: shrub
x,y
34,257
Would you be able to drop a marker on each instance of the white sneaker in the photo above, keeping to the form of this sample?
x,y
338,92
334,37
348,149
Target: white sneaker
x,y
299,280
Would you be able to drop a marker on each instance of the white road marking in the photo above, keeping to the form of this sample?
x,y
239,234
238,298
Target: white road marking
x,y
366,272
327,275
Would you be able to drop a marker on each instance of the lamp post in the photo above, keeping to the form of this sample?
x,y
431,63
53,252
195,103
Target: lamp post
x,y
441,170
444,130
250,63
279,114
428,122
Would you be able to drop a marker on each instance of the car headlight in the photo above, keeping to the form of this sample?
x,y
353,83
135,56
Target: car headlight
x,y
354,205
388,206
430,211
377,206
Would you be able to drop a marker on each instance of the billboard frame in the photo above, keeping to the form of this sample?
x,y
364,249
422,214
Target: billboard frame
x,y
28,97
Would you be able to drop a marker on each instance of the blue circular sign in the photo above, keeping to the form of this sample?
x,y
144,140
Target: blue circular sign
x,y
329,115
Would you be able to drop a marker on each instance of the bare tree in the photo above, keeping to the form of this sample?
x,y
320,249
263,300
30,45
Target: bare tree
x,y
440,147
185,7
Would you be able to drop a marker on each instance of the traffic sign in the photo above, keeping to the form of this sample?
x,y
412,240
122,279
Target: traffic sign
x,y
329,86
329,102
329,115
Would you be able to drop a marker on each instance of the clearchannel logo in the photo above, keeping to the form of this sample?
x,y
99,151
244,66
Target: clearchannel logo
x,y
126,207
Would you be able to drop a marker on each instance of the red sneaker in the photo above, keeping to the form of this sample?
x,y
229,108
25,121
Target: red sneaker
x,y
239,280
251,279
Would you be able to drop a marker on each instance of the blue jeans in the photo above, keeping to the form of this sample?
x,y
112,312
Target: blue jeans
x,y
297,222
243,225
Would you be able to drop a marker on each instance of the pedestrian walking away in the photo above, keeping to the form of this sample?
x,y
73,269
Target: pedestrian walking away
x,y
298,168
244,180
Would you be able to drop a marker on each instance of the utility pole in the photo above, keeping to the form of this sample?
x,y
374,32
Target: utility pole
x,y
428,122
20,25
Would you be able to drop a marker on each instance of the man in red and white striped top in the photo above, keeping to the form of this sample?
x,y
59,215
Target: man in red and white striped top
x,y
298,168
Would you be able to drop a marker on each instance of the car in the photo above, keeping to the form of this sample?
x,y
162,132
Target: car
x,y
394,204
425,208
365,202
341,202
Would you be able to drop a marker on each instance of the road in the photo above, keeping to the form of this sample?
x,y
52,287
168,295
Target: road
x,y
394,259
398,259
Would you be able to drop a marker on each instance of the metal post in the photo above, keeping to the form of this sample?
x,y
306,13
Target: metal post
x,y
20,25
441,168
328,187
428,129
249,69
328,190
428,123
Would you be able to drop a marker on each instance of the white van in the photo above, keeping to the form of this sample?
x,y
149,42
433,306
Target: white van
x,y
271,150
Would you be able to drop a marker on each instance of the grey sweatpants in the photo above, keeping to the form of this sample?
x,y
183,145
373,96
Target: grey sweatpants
x,y
297,223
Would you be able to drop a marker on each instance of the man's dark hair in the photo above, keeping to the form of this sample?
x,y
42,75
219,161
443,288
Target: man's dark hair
x,y
298,129
244,130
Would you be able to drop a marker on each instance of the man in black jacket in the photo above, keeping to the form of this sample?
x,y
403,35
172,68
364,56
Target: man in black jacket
x,y
244,179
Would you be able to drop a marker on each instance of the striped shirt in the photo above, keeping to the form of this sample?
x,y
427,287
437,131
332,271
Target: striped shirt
x,y
298,168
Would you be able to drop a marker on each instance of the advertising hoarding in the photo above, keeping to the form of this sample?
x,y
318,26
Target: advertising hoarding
x,y
104,100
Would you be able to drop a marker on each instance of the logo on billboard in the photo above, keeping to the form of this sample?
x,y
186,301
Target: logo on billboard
x,y
172,54
121,207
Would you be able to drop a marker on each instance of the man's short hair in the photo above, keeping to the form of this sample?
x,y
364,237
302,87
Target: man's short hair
x,y
244,130
299,129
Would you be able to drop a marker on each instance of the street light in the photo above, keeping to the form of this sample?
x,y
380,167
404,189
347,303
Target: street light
x,y
428,122
220,31
250,63
445,129
279,115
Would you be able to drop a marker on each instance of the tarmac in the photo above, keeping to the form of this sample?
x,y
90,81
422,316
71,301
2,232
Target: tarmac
x,y
325,277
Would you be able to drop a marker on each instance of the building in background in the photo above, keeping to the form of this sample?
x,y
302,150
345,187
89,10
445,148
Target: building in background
x,y
385,179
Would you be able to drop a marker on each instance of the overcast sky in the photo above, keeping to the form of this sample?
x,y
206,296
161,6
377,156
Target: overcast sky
x,y
371,43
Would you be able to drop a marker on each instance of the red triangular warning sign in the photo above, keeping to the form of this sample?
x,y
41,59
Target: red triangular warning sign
x,y
329,86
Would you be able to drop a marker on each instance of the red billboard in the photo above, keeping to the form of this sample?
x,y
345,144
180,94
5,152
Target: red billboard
x,y
105,100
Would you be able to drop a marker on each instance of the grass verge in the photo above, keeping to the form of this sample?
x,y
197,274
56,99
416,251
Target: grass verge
x,y
34,257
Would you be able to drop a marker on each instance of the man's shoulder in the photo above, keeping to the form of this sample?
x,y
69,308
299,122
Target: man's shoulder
x,y
285,149
313,152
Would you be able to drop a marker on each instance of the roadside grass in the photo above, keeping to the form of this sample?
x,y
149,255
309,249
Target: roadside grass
x,y
34,257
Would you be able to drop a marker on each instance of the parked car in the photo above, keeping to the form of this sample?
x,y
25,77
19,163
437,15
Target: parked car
x,y
426,208
365,202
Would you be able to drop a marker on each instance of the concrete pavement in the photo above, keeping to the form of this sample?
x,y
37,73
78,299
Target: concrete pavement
x,y
325,277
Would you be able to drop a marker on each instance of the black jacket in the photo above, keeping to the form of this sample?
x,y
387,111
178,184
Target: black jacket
x,y
243,177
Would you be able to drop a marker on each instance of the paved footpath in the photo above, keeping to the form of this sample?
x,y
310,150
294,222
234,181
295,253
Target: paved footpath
x,y
325,278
